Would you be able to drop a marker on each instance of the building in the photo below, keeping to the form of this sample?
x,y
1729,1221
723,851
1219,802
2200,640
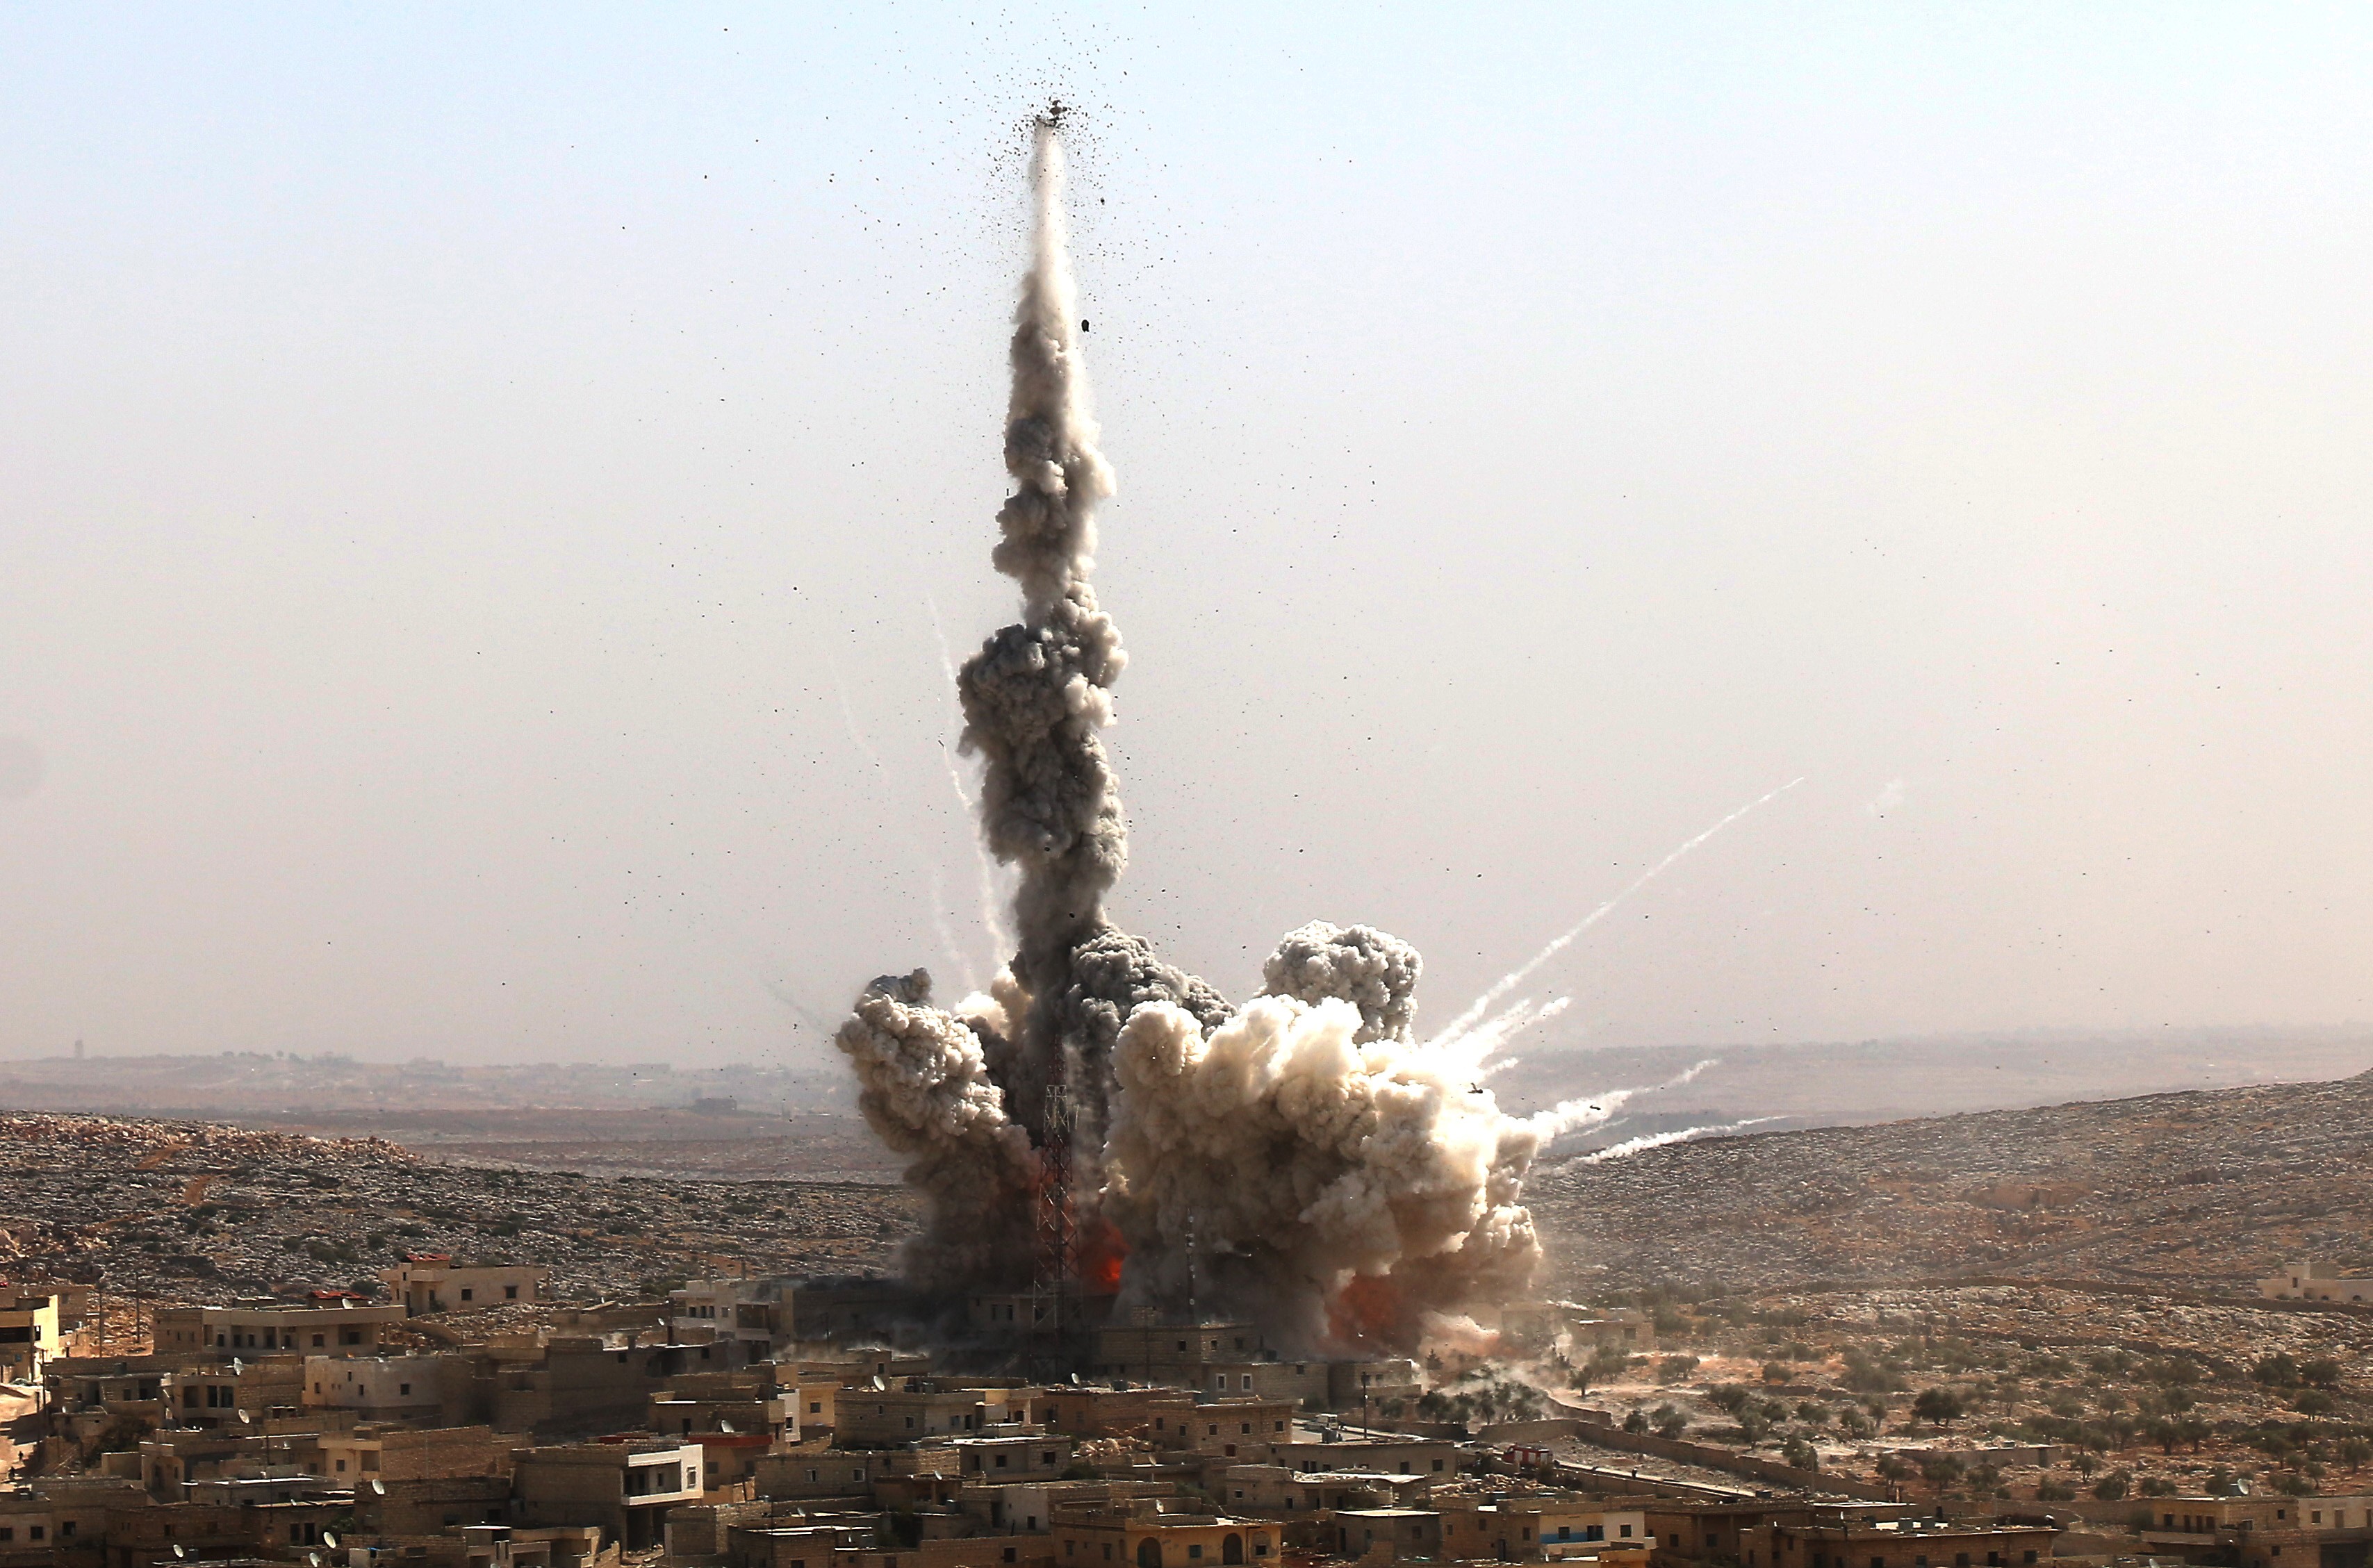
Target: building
x,y
882,1417
393,1454
2264,1531
221,1333
1146,1535
1713,1532
1408,1532
378,1385
30,1334
626,1489
1897,1543
1114,1412
2304,1280
755,1314
432,1282
1537,1525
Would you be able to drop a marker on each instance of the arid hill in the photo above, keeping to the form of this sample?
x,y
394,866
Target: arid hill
x,y
2202,1191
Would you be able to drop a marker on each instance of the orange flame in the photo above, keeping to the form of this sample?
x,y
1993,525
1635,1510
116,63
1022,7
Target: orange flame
x,y
1100,1254
1366,1311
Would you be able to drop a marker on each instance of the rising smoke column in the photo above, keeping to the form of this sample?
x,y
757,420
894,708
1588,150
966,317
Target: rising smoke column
x,y
1310,1160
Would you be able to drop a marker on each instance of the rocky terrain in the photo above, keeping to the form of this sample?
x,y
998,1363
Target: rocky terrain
x,y
192,1211
2187,1192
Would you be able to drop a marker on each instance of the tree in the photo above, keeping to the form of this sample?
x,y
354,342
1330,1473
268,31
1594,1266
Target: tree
x,y
1635,1422
2111,1488
2324,1372
1800,1454
1939,1406
2278,1371
1671,1421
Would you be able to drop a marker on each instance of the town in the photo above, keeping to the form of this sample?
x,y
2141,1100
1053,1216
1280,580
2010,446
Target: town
x,y
460,1414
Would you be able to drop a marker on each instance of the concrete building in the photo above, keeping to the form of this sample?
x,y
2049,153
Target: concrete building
x,y
221,1333
2304,1280
1146,1535
754,1314
432,1282
624,1487
390,1386
1897,1543
31,1333
1114,1412
879,1417
1405,1532
1434,1457
391,1454
1714,1532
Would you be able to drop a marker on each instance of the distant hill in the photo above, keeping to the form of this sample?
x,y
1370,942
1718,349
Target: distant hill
x,y
2206,1191
1827,1084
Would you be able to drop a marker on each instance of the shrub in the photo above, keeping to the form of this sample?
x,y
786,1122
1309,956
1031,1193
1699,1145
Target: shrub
x,y
2278,1371
1938,1405
2112,1487
2052,1492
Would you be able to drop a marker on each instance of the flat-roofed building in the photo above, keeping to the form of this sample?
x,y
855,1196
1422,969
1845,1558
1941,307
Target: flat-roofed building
x,y
241,1329
432,1282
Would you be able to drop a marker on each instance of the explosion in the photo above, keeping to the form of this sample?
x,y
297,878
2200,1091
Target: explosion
x,y
1305,1161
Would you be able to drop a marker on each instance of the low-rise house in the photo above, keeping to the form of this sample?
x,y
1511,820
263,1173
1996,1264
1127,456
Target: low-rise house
x,y
243,1330
29,1333
1146,1534
885,1416
432,1282
625,1487
1898,1544
1408,1532
2305,1280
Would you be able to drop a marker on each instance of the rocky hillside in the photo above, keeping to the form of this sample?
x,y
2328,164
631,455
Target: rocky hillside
x,y
2203,1191
190,1209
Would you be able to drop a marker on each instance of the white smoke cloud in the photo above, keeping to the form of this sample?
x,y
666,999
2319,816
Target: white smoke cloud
x,y
1646,1141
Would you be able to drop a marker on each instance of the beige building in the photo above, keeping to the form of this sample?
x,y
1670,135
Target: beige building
x,y
432,1282
625,1487
1146,1535
29,1334
221,1333
2304,1280
375,1385
1897,1543
885,1416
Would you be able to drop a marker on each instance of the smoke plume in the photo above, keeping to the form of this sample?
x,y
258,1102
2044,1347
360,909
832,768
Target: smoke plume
x,y
1308,1160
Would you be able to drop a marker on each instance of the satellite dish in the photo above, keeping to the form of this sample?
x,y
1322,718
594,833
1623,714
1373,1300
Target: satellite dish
x,y
379,1487
330,1540
245,1417
178,1551
878,1383
725,1426
1075,1380
315,1557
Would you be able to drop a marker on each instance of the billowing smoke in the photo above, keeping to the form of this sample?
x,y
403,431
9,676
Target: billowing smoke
x,y
1309,1159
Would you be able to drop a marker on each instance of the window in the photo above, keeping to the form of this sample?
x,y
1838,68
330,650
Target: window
x,y
7,1532
1195,1551
402,1388
816,1407
342,1466
35,1533
510,1293
468,1294
318,1342
1248,1382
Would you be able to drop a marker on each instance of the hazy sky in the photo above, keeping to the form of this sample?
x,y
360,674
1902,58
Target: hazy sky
x,y
473,487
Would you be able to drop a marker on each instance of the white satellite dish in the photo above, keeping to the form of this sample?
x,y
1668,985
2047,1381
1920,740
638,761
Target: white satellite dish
x,y
330,1541
178,1551
379,1487
725,1426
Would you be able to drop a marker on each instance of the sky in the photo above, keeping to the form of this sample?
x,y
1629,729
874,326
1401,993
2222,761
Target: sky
x,y
487,496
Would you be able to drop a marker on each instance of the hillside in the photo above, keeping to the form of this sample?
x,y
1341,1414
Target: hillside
x,y
2203,1191
192,1210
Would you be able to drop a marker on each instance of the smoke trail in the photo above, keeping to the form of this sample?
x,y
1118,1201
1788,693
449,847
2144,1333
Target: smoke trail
x,y
1516,978
947,935
1630,1146
1591,1110
992,919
